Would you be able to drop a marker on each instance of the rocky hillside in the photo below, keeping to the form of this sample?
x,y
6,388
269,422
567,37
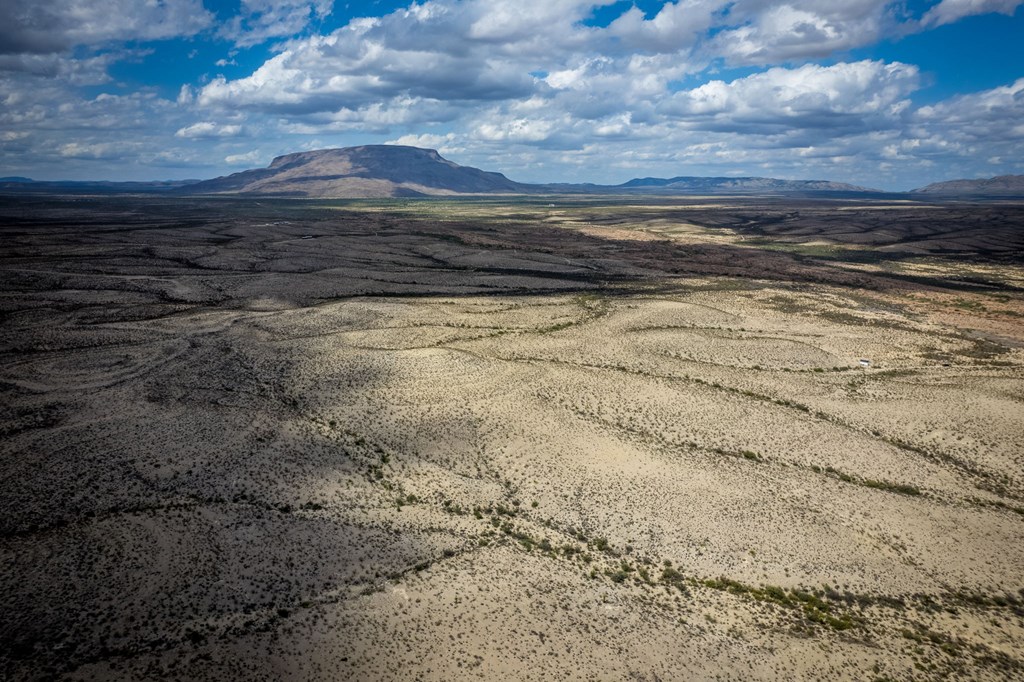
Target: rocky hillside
x,y
368,171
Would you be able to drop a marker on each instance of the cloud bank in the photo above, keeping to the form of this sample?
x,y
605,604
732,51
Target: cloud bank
x,y
545,90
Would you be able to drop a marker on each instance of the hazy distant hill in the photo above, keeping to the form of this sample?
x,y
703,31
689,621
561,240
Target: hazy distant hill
x,y
723,184
20,185
368,171
1003,185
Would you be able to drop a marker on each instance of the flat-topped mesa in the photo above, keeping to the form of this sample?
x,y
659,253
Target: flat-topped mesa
x,y
1001,185
366,171
370,155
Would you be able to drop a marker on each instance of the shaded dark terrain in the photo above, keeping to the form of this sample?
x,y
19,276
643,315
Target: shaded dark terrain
x,y
203,442
883,228
230,252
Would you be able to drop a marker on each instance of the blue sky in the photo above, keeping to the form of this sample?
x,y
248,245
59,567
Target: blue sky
x,y
884,94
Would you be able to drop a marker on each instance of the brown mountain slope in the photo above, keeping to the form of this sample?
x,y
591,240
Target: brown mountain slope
x,y
368,171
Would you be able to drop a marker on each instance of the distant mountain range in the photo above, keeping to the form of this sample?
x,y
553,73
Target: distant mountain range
x,y
689,184
395,171
376,171
30,186
1003,185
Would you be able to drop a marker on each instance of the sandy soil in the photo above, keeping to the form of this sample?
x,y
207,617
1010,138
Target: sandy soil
x,y
445,449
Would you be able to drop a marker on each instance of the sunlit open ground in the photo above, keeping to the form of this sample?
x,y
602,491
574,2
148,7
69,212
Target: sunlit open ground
x,y
545,439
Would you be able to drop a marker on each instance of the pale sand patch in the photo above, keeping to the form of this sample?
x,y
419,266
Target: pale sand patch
x,y
337,459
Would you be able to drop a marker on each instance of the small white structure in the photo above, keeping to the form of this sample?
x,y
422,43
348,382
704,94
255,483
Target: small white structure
x,y
864,362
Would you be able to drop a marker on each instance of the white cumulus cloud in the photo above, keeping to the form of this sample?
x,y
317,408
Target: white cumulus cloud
x,y
246,159
56,25
206,129
841,98
769,33
262,20
529,87
949,11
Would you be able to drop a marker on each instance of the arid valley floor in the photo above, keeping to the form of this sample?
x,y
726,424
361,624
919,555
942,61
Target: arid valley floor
x,y
537,439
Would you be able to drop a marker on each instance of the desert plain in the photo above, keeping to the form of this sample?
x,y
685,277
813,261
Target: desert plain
x,y
704,438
